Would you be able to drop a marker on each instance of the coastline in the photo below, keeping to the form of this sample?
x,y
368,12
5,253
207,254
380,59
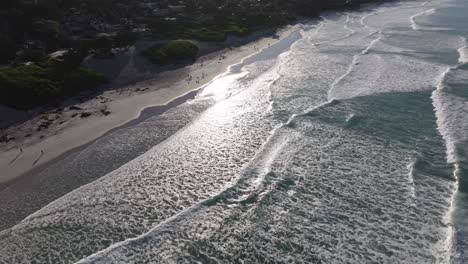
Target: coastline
x,y
369,175
112,109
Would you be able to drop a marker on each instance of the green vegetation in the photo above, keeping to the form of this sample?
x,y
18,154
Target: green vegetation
x,y
29,30
125,39
28,86
216,34
214,31
173,51
205,34
49,29
237,30
103,44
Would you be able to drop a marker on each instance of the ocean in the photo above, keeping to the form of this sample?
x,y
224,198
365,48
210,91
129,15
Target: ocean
x,y
345,142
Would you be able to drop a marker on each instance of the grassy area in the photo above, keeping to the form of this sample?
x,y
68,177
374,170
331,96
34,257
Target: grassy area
x,y
211,30
215,34
28,86
173,51
237,30
205,34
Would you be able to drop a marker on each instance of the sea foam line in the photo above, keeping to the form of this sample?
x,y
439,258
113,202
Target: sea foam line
x,y
450,244
463,53
414,24
411,175
351,66
351,32
438,103
363,19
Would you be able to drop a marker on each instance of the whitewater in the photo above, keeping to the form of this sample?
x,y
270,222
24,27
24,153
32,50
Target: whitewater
x,y
345,142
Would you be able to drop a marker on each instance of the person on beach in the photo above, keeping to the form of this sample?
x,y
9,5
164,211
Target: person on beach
x,y
17,156
40,156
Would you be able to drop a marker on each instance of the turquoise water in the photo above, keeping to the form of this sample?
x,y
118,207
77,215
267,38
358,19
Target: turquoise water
x,y
344,143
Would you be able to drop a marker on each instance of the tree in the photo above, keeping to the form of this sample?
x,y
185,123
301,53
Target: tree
x,y
73,58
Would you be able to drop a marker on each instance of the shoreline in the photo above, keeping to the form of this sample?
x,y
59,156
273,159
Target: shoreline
x,y
34,152
144,115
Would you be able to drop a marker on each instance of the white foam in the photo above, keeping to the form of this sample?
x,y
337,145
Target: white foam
x,y
414,24
452,122
451,115
399,10
411,175
346,27
463,52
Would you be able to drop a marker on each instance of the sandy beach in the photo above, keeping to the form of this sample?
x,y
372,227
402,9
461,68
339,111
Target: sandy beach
x,y
47,136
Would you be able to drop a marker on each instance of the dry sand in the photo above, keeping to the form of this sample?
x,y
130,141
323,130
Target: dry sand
x,y
66,129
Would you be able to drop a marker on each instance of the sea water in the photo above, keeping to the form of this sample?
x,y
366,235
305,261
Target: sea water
x,y
346,142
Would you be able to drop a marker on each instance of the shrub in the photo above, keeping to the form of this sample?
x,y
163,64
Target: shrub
x,y
173,51
81,79
8,48
30,53
28,86
46,28
206,34
236,30
215,33
125,39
